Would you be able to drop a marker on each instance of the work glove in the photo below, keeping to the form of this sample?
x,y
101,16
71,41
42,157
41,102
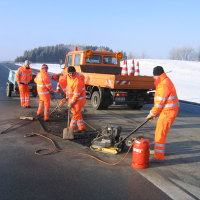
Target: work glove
x,y
69,106
150,116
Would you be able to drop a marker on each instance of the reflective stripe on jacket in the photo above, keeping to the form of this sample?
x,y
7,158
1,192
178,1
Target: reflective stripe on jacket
x,y
43,82
76,88
23,75
165,95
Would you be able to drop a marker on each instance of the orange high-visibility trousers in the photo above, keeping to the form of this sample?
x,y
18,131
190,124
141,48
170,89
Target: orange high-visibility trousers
x,y
44,105
24,94
164,123
77,119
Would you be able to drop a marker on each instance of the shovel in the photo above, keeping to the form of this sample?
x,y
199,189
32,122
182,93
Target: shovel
x,y
68,132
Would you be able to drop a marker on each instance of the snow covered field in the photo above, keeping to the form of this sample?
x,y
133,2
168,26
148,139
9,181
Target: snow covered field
x,y
184,74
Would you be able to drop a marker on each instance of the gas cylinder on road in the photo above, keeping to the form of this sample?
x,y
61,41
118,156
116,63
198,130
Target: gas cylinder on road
x,y
140,157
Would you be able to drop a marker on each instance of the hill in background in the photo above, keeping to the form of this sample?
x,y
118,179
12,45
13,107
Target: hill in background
x,y
53,54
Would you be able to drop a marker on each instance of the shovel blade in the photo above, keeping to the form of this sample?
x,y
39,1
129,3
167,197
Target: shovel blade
x,y
68,134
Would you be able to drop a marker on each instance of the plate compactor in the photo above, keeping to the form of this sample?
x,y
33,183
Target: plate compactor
x,y
106,140
110,141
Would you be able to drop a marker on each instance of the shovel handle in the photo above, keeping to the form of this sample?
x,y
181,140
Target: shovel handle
x,y
68,118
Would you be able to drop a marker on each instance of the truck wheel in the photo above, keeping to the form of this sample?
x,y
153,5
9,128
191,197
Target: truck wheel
x,y
96,101
106,100
8,89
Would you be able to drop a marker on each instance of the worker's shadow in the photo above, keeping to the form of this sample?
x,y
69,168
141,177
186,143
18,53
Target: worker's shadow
x,y
184,152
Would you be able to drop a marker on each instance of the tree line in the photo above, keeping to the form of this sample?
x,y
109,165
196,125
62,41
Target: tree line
x,y
185,53
53,54
177,53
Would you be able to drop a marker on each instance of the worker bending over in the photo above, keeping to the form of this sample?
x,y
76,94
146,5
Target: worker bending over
x,y
23,78
44,89
166,104
61,80
76,98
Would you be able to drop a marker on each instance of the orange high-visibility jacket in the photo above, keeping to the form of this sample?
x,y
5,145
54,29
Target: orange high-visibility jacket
x,y
63,82
165,95
23,75
43,83
76,88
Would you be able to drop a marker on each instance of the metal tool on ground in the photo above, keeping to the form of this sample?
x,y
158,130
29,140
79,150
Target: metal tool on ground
x,y
67,132
108,137
110,140
22,119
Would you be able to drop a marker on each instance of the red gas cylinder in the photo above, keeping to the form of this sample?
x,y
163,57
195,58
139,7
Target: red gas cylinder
x,y
141,149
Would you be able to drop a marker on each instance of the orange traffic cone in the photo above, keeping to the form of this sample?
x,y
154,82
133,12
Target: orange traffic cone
x,y
124,69
137,70
132,69
58,88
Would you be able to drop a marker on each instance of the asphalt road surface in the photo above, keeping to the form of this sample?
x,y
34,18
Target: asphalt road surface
x,y
24,175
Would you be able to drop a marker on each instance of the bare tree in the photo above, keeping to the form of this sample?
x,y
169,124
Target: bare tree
x,y
183,53
198,54
143,55
130,55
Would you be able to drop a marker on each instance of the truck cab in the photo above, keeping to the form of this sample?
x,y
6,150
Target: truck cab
x,y
103,79
100,62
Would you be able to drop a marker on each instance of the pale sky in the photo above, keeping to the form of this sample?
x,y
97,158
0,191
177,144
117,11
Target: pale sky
x,y
150,26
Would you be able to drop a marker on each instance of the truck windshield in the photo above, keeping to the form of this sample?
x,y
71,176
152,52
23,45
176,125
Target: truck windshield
x,y
93,59
109,60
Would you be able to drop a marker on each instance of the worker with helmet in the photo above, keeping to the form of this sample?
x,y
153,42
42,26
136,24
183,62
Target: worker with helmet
x,y
44,88
166,104
76,95
23,78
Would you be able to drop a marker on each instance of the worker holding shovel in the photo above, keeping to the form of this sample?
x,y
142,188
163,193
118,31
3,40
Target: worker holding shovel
x,y
76,99
166,104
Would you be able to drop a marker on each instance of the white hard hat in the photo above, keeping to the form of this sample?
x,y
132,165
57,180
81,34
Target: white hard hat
x,y
26,62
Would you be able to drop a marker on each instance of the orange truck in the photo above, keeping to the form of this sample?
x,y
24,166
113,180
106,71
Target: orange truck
x,y
104,83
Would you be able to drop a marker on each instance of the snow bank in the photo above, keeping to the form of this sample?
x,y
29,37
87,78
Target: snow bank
x,y
184,74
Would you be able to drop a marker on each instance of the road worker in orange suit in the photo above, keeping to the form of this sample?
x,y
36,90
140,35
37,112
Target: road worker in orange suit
x,y
166,104
76,98
23,77
61,79
44,88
